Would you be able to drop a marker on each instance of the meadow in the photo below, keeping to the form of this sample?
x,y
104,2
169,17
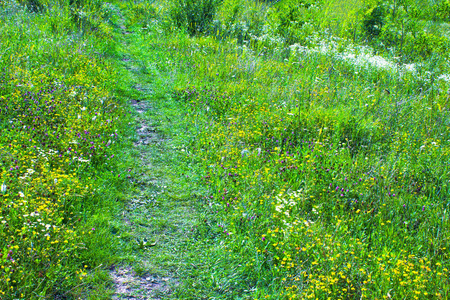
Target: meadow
x,y
320,130
323,135
60,124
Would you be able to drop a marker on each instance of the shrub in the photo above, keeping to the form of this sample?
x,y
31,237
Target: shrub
x,y
140,12
443,11
291,20
33,5
373,22
194,16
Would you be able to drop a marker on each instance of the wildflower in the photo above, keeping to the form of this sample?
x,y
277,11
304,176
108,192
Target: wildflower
x,y
244,152
3,188
10,253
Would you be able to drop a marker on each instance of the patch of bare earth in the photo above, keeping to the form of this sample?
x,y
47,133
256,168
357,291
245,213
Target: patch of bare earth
x,y
128,284
146,133
131,286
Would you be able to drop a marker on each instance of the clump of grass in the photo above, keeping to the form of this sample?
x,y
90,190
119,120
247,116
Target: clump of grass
x,y
195,16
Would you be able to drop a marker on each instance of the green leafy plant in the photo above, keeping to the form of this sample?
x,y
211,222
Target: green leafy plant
x,y
442,10
194,16
34,5
373,21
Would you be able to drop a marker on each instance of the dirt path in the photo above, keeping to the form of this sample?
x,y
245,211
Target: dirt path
x,y
154,226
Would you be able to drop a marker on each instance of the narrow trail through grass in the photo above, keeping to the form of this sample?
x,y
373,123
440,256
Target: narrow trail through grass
x,y
169,245
153,227
165,251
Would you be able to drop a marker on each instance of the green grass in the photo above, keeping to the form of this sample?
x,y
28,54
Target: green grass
x,y
62,129
265,172
167,201
326,179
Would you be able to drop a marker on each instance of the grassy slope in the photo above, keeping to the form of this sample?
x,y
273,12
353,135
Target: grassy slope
x,y
329,179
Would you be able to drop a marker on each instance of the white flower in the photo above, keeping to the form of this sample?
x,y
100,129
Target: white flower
x,y
308,223
279,208
21,194
444,77
244,152
3,188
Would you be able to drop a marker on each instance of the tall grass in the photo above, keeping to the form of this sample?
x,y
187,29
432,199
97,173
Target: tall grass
x,y
330,178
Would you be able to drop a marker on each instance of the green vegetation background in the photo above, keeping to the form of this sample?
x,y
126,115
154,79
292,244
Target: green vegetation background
x,y
327,177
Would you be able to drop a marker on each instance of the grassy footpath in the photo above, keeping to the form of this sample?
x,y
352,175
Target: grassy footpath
x,y
169,239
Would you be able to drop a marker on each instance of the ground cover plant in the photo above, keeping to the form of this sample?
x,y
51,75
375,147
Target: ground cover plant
x,y
59,125
328,175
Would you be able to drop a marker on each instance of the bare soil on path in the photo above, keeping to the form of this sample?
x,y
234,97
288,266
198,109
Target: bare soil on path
x,y
154,226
